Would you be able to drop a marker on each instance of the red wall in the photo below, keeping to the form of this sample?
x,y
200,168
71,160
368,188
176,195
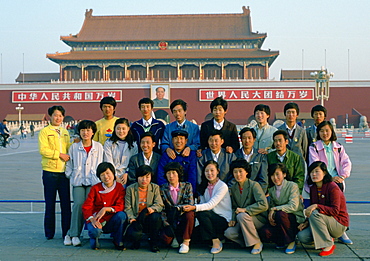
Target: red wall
x,y
342,100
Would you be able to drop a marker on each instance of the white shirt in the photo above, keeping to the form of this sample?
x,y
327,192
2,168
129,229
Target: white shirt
x,y
215,156
148,122
218,126
147,161
247,157
282,157
219,202
181,125
290,131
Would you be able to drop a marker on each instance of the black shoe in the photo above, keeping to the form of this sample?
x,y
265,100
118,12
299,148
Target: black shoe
x,y
135,245
119,247
154,249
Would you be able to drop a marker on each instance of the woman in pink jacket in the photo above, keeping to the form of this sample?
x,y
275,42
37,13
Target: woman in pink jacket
x,y
333,154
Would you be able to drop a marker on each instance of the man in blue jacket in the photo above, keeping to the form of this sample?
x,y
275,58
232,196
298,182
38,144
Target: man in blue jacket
x,y
189,163
179,109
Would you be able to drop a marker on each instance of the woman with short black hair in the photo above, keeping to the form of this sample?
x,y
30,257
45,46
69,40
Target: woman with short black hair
x,y
286,210
327,215
248,204
176,194
143,205
103,208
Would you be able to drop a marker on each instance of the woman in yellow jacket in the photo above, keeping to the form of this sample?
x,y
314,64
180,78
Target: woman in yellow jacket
x,y
54,142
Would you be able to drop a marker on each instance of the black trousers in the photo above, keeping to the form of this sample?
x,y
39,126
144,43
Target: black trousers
x,y
150,224
212,225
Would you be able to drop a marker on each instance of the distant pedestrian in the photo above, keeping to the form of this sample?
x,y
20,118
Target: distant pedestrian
x,y
22,129
32,129
301,123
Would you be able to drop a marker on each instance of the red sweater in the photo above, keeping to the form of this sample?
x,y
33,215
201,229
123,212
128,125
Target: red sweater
x,y
331,203
96,201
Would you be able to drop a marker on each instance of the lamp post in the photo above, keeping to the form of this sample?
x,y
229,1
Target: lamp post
x,y
19,109
322,79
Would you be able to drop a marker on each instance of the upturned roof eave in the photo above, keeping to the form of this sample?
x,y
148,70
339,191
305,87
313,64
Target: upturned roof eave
x,y
270,58
74,40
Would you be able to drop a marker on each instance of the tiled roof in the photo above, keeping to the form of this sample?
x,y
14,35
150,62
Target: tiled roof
x,y
296,75
165,27
163,54
26,117
37,77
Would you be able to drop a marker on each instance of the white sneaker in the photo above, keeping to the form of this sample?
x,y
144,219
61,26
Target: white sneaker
x,y
67,241
174,243
76,241
183,249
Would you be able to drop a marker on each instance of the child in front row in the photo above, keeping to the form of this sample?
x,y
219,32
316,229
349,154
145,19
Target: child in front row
x,y
85,156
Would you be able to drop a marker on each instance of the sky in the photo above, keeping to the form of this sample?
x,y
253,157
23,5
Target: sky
x,y
308,34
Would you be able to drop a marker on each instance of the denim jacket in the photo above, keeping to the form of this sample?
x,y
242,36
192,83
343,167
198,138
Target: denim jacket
x,y
81,168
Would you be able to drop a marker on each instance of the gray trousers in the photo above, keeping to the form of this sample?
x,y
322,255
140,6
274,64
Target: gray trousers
x,y
77,220
321,231
248,226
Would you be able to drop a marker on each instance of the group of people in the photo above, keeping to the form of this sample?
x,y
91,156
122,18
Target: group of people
x,y
5,133
163,180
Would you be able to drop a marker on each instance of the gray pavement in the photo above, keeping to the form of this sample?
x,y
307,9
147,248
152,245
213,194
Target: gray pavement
x,y
22,236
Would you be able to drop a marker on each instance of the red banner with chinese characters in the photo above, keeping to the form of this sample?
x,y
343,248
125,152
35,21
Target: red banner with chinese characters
x,y
306,94
64,96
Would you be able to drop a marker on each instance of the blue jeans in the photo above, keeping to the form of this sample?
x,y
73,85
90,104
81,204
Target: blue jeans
x,y
116,226
56,182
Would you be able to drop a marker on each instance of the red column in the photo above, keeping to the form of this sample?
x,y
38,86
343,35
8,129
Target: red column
x,y
60,73
83,73
245,69
266,70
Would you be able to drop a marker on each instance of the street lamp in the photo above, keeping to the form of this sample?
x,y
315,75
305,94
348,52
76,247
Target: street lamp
x,y
322,79
19,109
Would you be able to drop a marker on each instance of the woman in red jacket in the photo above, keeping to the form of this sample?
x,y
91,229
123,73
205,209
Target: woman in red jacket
x,y
103,208
327,215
